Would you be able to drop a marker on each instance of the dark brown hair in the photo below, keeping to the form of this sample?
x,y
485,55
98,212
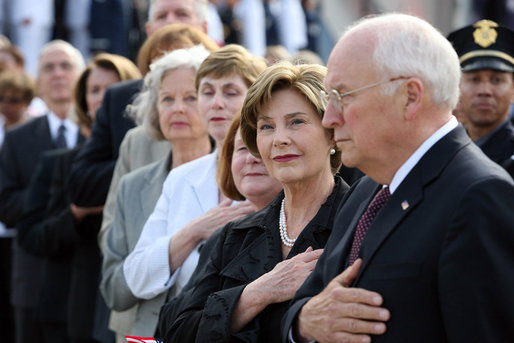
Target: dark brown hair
x,y
224,176
306,79
123,67
20,81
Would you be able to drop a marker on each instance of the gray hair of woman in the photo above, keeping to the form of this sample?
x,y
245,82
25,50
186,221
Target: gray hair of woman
x,y
144,108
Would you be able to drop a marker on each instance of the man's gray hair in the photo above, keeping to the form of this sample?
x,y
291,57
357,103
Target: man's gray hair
x,y
74,53
201,7
409,46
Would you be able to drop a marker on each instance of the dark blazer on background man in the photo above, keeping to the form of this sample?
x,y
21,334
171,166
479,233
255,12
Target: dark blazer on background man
x,y
47,230
18,158
93,167
71,257
500,146
85,262
440,252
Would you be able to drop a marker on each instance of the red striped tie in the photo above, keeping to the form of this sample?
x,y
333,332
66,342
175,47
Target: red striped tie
x,y
367,218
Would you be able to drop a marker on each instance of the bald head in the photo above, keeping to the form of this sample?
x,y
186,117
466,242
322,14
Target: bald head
x,y
60,65
406,45
393,80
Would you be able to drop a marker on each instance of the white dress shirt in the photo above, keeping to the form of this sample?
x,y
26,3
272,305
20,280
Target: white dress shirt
x,y
188,192
72,130
411,162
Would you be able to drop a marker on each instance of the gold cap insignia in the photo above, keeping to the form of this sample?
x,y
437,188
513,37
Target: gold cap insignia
x,y
485,34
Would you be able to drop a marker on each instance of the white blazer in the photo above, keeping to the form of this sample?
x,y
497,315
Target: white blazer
x,y
189,191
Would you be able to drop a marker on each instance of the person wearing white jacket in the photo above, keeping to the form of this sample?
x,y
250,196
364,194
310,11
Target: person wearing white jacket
x,y
31,24
191,207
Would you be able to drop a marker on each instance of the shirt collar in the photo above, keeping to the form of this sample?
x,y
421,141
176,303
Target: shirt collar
x,y
2,129
71,133
485,138
420,152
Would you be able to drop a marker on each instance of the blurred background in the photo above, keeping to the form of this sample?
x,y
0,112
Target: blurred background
x,y
117,26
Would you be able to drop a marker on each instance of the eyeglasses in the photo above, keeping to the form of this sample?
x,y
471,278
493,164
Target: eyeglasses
x,y
338,99
10,100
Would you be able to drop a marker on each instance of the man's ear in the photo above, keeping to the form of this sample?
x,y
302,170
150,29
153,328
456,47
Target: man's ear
x,y
415,93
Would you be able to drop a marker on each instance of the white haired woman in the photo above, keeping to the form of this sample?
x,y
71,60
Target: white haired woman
x,y
167,108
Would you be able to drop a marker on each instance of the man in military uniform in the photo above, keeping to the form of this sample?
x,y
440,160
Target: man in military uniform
x,y
486,52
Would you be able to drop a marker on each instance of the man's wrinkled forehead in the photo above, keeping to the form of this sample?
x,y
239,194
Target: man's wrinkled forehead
x,y
174,5
56,57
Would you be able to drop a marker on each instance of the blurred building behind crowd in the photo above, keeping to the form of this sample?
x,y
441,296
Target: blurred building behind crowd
x,y
117,26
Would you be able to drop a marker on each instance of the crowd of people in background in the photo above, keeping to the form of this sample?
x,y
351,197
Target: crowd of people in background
x,y
118,26
191,170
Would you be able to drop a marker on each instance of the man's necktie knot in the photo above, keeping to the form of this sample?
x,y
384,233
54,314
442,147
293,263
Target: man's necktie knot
x,y
60,141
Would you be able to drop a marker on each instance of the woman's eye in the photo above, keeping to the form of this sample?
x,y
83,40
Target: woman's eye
x,y
167,99
265,127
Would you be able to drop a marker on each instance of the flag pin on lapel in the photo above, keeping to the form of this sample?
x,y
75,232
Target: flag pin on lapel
x,y
405,205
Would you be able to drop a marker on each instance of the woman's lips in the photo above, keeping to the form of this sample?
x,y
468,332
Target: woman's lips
x,y
254,174
179,124
285,158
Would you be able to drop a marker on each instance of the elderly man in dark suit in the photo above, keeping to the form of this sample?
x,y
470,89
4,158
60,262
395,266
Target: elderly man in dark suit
x,y
486,54
59,66
429,232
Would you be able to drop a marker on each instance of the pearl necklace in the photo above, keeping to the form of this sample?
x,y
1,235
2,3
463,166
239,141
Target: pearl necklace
x,y
289,242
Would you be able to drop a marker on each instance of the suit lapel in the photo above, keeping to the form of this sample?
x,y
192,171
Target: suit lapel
x,y
153,184
42,130
147,192
80,138
410,193
203,188
362,196
394,211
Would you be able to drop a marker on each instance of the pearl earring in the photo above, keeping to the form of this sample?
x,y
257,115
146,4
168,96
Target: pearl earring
x,y
332,151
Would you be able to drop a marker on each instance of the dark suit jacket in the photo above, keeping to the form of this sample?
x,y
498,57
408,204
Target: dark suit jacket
x,y
18,157
92,170
70,254
246,249
47,230
500,147
85,261
444,260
